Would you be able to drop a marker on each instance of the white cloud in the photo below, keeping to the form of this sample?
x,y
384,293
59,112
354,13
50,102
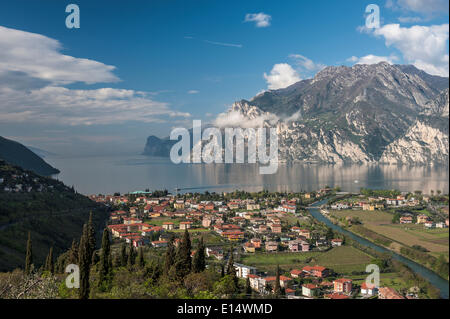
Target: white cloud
x,y
261,19
224,44
372,59
426,47
306,67
63,106
32,75
237,119
282,75
193,92
39,57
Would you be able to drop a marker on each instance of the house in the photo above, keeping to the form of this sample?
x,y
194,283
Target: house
x,y
284,281
242,271
257,283
441,225
256,242
305,233
159,243
293,246
336,242
304,245
342,285
316,271
429,224
168,225
185,225
271,246
388,293
295,273
422,219
252,206
207,222
215,252
369,207
178,205
276,228
310,290
369,290
406,220
249,248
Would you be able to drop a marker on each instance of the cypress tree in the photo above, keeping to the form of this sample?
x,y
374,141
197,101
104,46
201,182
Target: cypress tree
x,y
169,258
141,260
248,288
199,263
183,257
123,255
84,263
105,258
49,265
230,265
29,256
277,287
73,253
91,236
131,256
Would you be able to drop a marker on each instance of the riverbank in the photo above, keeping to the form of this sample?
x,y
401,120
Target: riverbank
x,y
433,278
423,258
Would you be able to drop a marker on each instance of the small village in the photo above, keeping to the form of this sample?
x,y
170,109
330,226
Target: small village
x,y
263,226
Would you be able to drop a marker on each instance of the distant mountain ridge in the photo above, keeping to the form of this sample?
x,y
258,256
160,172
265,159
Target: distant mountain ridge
x,y
361,114
17,154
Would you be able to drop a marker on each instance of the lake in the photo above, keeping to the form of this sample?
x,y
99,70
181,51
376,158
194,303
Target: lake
x,y
106,175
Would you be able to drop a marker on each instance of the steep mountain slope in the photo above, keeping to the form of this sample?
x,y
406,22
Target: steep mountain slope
x,y
52,212
353,114
17,154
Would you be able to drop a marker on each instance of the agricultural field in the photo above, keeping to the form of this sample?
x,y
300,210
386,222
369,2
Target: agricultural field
x,y
344,259
434,240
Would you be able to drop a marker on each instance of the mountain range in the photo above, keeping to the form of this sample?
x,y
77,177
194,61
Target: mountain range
x,y
366,113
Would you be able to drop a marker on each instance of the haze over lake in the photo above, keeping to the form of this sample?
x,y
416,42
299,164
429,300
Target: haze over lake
x,y
106,175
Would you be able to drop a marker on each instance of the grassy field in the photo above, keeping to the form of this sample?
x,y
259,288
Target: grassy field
x,y
344,259
434,240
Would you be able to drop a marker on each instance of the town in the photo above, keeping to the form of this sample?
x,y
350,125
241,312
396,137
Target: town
x,y
272,235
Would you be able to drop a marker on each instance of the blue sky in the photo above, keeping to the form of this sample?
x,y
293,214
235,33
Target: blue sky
x,y
174,61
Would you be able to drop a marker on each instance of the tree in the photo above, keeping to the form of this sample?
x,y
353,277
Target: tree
x,y
49,265
73,253
91,236
105,258
29,256
123,255
231,271
141,260
131,256
230,265
277,287
330,234
183,262
248,288
169,257
199,262
85,259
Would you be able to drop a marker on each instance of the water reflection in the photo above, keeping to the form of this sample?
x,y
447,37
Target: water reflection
x,y
123,174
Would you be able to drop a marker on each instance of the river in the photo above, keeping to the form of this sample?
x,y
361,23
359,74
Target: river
x,y
430,276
